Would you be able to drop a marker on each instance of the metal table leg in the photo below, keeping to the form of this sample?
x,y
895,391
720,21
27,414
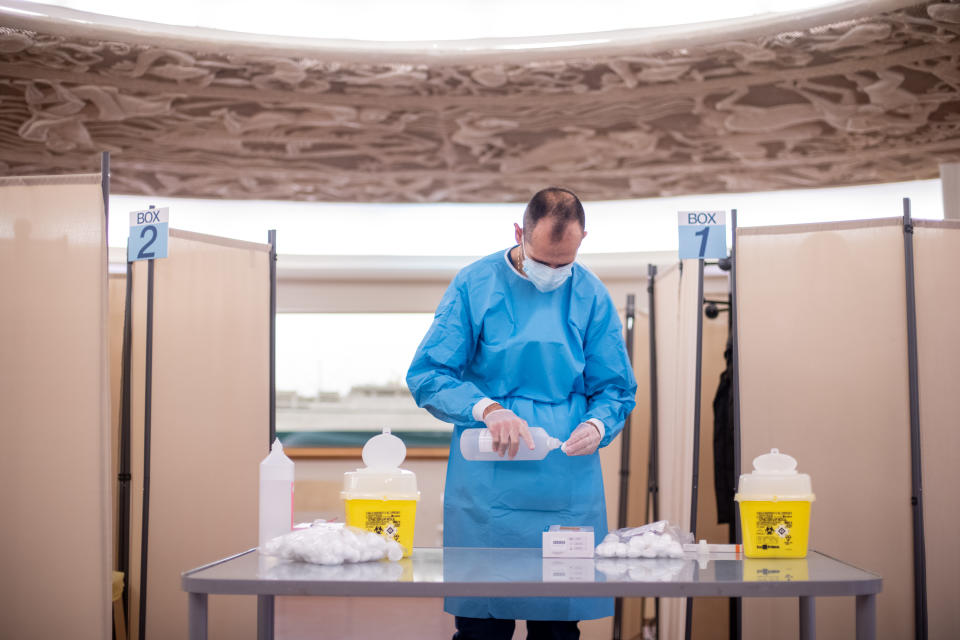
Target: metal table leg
x,y
867,617
808,618
197,615
265,617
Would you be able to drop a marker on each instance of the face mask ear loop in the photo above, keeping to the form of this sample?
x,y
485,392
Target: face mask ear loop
x,y
523,254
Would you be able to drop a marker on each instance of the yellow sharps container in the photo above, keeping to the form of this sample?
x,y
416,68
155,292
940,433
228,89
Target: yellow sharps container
x,y
775,508
383,497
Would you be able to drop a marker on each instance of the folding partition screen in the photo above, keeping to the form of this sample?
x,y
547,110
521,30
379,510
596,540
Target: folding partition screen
x,y
209,424
823,377
675,314
937,264
54,461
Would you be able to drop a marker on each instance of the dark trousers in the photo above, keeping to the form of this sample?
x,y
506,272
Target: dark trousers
x,y
496,629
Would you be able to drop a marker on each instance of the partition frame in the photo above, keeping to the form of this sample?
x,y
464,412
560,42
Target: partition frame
x,y
653,458
916,468
694,487
272,241
736,613
147,401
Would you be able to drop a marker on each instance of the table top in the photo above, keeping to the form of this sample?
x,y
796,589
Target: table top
x,y
458,571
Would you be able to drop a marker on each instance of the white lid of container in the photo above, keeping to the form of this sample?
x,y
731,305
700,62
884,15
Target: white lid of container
x,y
382,478
774,477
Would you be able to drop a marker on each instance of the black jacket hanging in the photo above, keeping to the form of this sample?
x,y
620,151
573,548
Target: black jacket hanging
x,y
723,464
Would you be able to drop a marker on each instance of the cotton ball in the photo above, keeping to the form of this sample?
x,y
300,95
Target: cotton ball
x,y
622,550
638,542
634,551
394,551
611,537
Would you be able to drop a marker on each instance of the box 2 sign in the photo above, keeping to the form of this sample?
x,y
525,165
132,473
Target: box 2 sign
x,y
149,230
703,234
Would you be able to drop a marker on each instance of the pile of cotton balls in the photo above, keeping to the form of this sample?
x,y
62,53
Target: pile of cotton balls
x,y
332,544
645,545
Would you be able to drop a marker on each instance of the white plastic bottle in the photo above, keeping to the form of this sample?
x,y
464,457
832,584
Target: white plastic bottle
x,y
477,444
276,494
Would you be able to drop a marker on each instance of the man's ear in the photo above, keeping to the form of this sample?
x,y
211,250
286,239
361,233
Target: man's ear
x,y
517,232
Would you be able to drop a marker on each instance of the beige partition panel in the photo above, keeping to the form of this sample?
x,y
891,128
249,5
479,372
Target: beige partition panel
x,y
54,460
823,377
937,268
676,309
210,422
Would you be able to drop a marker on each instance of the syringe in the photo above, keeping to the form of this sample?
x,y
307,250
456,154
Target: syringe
x,y
704,547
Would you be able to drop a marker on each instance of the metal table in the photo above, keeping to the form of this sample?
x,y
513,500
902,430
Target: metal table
x,y
436,572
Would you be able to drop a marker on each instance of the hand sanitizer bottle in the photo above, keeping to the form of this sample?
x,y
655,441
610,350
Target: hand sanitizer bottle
x,y
276,494
477,444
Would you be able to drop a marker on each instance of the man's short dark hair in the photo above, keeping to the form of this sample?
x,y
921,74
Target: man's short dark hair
x,y
562,206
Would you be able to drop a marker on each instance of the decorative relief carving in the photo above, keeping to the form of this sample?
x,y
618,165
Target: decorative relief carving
x,y
869,100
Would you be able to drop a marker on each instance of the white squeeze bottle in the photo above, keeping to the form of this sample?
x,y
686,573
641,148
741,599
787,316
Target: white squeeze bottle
x,y
477,444
276,494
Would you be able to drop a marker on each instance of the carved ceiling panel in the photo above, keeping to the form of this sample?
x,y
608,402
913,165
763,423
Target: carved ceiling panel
x,y
869,100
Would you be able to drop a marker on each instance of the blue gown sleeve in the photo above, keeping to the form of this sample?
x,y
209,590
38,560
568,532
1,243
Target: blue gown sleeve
x,y
608,376
435,375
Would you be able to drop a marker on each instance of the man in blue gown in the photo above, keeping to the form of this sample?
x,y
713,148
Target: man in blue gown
x,y
526,336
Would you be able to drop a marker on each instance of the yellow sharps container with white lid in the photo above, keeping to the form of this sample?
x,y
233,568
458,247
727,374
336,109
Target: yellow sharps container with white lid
x,y
383,497
775,508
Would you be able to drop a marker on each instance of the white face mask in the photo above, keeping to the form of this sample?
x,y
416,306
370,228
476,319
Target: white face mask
x,y
544,278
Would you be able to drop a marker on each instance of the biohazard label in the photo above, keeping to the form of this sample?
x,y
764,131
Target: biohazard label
x,y
385,523
772,529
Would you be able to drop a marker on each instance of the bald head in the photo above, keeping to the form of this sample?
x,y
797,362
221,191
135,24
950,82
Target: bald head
x,y
559,206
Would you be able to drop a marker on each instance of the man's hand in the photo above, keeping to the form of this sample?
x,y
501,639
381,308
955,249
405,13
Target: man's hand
x,y
507,430
583,441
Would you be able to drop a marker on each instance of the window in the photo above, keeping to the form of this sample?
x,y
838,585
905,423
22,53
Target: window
x,y
341,378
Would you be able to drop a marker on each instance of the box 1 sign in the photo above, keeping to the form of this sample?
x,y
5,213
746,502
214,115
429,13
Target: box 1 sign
x,y
149,230
703,234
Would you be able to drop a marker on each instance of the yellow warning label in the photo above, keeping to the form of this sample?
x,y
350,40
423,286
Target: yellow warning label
x,y
386,523
772,529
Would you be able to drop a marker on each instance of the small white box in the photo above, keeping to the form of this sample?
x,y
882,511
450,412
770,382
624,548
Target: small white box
x,y
560,541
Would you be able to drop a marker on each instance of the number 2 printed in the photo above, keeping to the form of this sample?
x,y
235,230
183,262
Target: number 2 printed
x,y
143,250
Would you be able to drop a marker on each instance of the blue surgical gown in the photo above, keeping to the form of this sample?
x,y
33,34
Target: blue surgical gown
x,y
555,359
